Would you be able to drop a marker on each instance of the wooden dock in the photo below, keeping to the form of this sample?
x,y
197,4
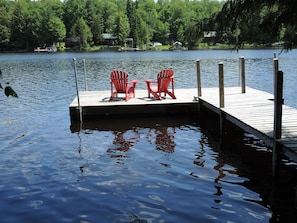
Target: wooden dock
x,y
253,112
96,104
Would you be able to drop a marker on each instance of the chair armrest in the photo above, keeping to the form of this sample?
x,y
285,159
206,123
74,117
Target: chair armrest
x,y
134,82
151,81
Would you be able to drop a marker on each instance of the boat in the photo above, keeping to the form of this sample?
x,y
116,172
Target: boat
x,y
177,46
49,49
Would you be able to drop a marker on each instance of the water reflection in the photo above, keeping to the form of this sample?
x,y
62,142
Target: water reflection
x,y
199,161
229,168
164,138
246,162
124,140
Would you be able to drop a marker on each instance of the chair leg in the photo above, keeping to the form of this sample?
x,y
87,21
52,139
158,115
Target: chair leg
x,y
171,94
156,95
114,94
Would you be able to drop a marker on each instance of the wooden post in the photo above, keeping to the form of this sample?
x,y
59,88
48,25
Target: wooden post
x,y
277,127
221,85
85,75
222,103
278,103
275,66
198,77
242,62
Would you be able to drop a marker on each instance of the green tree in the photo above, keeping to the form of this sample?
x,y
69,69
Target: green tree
x,y
73,11
132,18
94,18
82,33
148,12
54,7
192,33
19,25
110,11
143,32
276,16
161,32
56,30
4,36
122,27
177,16
4,27
97,29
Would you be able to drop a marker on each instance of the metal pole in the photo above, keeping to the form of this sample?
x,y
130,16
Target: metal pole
x,y
85,75
198,77
77,93
221,85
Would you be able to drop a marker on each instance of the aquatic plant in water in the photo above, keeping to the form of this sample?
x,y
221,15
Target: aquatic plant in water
x,y
8,91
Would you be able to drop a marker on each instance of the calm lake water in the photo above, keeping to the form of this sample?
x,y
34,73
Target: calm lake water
x,y
146,170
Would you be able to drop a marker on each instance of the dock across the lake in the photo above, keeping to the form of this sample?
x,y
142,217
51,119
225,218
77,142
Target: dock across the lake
x,y
252,111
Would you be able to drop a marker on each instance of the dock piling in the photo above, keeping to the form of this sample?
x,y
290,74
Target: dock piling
x,y
242,73
85,75
278,103
277,125
275,66
221,85
198,77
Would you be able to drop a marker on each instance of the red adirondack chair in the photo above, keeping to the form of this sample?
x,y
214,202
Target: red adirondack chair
x,y
156,87
119,84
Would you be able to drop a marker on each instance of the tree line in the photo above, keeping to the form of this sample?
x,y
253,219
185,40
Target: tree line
x,y
260,21
25,24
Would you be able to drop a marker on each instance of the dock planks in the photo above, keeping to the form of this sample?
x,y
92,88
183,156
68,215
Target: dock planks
x,y
253,112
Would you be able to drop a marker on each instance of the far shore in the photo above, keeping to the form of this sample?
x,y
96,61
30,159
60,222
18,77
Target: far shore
x,y
150,48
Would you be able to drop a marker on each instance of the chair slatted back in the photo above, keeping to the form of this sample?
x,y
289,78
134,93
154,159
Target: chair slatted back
x,y
164,78
119,79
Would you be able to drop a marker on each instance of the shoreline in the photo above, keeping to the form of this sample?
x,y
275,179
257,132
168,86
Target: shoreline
x,y
120,49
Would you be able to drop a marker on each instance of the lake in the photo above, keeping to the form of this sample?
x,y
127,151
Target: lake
x,y
169,169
